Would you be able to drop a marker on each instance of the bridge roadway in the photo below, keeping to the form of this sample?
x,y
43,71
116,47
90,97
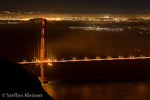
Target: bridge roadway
x,y
79,60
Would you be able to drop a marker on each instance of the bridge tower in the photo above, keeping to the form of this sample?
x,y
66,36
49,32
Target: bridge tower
x,y
43,51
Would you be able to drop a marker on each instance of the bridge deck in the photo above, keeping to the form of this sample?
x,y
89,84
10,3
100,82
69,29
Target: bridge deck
x,y
39,62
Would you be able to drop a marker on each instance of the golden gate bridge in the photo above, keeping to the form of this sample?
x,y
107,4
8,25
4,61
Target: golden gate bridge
x,y
44,60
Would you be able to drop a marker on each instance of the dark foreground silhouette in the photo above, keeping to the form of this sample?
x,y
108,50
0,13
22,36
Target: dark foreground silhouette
x,y
17,82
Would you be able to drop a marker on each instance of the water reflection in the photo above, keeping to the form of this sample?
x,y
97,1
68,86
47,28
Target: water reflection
x,y
100,91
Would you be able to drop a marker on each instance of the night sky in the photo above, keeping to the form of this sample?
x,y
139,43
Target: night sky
x,y
79,6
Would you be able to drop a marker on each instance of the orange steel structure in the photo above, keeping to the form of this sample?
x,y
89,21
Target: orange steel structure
x,y
43,48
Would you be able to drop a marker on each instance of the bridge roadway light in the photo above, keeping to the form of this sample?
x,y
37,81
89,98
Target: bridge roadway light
x,y
86,58
97,57
62,59
50,64
120,56
74,58
55,59
142,56
130,56
133,57
109,57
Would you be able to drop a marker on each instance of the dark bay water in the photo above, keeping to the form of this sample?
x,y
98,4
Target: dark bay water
x,y
139,90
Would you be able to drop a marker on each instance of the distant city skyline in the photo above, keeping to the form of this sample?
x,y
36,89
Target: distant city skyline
x,y
82,6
